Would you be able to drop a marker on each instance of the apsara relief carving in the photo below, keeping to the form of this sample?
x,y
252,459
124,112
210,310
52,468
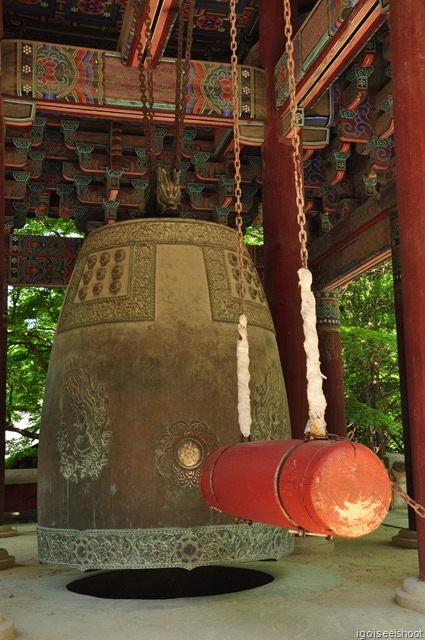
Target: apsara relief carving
x,y
84,438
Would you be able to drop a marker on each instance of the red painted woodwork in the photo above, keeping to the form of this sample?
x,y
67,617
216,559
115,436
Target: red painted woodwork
x,y
3,303
281,246
326,487
334,58
20,497
407,46
162,24
405,421
333,383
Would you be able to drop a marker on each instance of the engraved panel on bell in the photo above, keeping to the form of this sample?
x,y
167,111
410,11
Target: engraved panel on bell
x,y
223,282
114,284
106,274
253,288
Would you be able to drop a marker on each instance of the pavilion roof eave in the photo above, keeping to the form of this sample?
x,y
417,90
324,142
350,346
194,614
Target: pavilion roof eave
x,y
336,53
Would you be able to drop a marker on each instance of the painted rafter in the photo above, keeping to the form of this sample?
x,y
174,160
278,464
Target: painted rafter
x,y
163,13
345,44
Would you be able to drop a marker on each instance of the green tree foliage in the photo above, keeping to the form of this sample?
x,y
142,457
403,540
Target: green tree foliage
x,y
49,226
371,375
254,235
32,319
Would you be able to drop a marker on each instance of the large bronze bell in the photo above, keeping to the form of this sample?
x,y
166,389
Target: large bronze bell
x,y
141,387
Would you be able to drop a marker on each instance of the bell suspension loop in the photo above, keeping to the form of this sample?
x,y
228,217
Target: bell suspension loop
x,y
169,180
164,183
145,67
242,350
316,425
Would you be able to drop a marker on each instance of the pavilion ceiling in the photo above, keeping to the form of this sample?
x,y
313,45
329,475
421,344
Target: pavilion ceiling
x,y
83,156
99,24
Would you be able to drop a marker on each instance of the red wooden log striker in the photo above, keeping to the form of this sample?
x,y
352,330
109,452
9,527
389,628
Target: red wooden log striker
x,y
323,487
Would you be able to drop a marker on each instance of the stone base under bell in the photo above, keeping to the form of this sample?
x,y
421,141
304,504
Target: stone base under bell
x,y
6,629
159,548
6,561
6,531
406,538
411,595
316,545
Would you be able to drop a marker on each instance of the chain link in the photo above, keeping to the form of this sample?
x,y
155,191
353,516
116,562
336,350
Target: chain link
x,y
182,76
144,58
418,508
237,154
295,138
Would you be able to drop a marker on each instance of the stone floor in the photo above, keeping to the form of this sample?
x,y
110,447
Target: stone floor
x,y
344,591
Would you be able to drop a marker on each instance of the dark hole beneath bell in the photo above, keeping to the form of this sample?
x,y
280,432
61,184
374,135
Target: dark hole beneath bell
x,y
161,584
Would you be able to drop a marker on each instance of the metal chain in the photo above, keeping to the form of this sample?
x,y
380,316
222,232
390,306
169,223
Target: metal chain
x,y
295,138
418,508
144,57
182,77
179,74
237,153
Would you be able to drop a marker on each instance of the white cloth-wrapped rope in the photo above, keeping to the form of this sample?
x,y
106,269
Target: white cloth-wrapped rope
x,y
244,400
315,396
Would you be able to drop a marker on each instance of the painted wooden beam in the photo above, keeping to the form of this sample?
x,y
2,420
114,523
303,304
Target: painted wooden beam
x,y
96,83
52,260
329,55
351,247
3,322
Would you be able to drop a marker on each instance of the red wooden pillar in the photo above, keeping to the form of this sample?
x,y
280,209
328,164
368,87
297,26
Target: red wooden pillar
x,y
6,560
3,327
328,331
408,53
281,246
401,349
